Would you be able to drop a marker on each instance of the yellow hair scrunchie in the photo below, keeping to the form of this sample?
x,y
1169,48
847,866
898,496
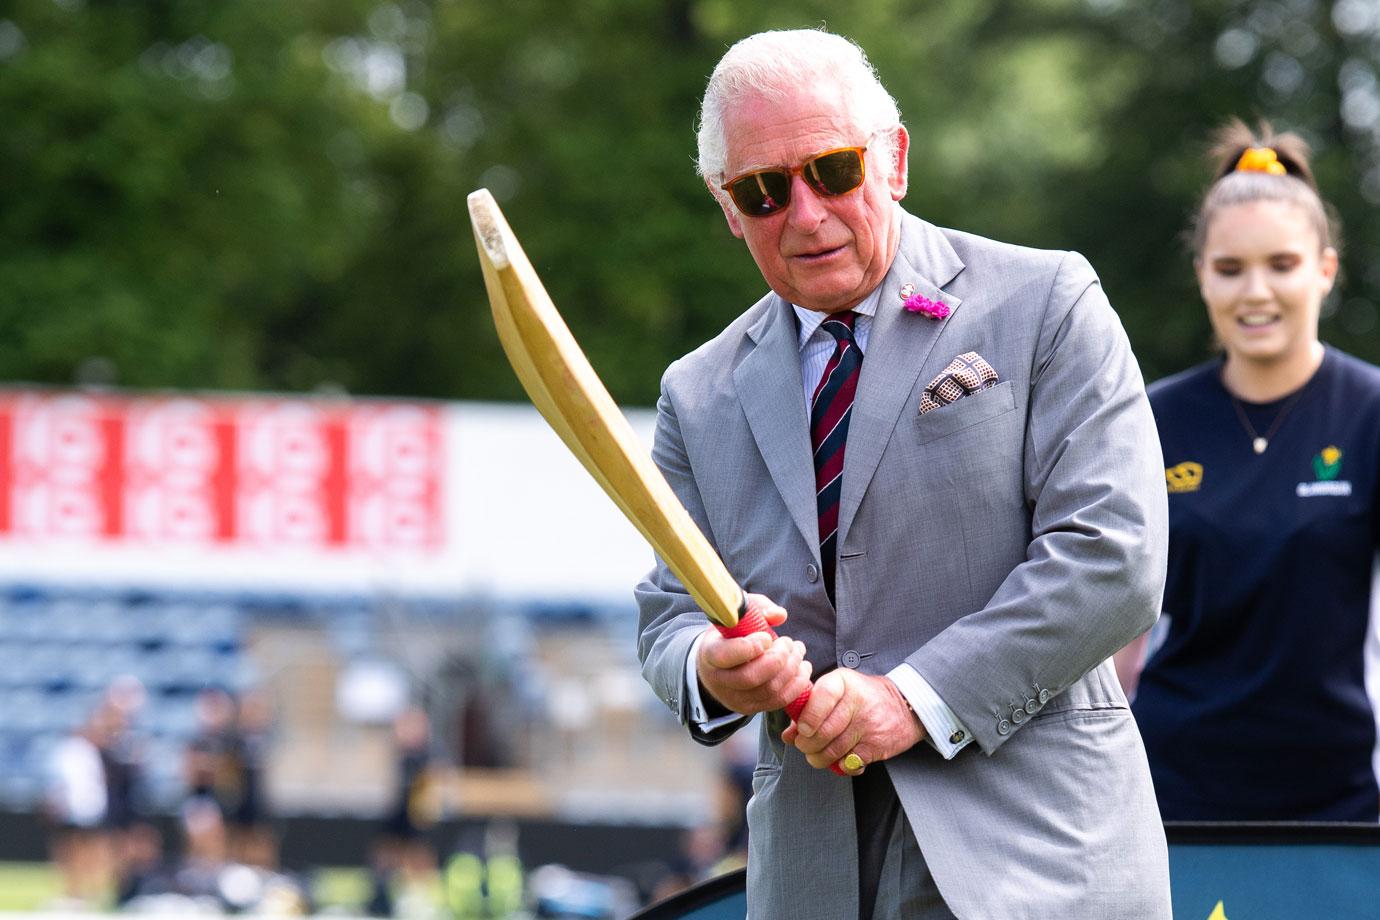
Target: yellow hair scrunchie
x,y
1261,159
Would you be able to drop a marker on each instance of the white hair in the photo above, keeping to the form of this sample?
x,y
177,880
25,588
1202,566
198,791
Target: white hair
x,y
775,64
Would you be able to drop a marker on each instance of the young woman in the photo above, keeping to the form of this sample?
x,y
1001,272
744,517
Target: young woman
x,y
1255,705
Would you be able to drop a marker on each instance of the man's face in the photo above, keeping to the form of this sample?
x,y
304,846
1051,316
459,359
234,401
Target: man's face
x,y
820,253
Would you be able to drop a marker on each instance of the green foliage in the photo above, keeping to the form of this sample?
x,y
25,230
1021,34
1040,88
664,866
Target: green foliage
x,y
236,194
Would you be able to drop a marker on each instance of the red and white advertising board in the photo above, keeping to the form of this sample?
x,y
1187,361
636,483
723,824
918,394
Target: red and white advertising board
x,y
301,494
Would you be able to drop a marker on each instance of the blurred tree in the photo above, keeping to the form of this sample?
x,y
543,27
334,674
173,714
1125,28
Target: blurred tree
x,y
1305,65
238,194
169,199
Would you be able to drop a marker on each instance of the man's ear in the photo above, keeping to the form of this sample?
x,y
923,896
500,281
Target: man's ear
x,y
735,224
897,181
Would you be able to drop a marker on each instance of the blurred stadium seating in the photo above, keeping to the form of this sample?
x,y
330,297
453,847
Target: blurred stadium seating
x,y
60,650
538,706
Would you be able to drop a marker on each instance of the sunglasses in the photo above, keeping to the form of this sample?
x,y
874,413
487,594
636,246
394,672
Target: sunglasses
x,y
829,174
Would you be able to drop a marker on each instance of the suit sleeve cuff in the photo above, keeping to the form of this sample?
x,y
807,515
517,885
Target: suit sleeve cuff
x,y
699,715
943,730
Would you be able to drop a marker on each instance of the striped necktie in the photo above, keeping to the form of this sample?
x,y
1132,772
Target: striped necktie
x,y
830,409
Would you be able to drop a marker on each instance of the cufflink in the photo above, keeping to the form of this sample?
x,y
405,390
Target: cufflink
x,y
957,737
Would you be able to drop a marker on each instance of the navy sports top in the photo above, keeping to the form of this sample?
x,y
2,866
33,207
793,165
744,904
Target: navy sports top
x,y
1255,707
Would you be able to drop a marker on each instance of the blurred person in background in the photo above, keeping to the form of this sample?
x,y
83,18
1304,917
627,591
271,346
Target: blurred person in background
x,y
123,752
958,579
402,855
122,757
735,790
720,843
142,869
213,782
77,805
483,876
701,856
1254,707
251,837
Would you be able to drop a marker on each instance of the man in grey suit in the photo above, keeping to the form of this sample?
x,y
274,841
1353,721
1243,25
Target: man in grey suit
x,y
956,586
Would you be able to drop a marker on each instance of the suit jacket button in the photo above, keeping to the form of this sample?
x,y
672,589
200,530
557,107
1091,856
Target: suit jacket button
x,y
1032,706
1044,696
812,573
1003,727
850,659
1017,715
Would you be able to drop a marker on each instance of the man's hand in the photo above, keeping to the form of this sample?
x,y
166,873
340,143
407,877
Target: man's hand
x,y
853,713
753,674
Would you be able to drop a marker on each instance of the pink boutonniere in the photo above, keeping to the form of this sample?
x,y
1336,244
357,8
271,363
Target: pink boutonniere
x,y
918,303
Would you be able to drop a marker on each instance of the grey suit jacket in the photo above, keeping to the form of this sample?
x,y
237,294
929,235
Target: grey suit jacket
x,y
1004,545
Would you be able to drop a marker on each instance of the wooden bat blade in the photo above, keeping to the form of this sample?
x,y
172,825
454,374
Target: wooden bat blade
x,y
570,396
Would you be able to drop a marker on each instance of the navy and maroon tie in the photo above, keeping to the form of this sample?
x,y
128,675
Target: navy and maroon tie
x,y
875,806
830,409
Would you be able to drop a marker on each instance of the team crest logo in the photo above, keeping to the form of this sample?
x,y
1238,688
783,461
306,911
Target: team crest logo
x,y
1184,477
1327,464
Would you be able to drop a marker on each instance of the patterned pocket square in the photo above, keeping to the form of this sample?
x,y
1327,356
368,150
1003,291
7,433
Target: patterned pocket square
x,y
968,373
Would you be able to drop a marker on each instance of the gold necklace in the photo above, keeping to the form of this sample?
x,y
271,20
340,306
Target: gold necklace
x,y
1261,441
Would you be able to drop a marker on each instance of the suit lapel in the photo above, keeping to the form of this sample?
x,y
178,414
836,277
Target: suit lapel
x,y
897,347
769,389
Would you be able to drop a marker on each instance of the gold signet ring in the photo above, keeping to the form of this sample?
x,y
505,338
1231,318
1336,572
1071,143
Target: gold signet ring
x,y
853,762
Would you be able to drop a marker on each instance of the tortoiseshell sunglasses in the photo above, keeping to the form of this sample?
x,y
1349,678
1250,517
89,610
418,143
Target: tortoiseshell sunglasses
x,y
832,173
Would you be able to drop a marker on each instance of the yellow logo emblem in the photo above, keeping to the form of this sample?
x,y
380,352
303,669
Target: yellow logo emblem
x,y
1184,477
1218,913
1327,464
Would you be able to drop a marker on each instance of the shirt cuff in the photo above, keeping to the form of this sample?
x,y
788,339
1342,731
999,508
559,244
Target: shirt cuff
x,y
698,714
943,730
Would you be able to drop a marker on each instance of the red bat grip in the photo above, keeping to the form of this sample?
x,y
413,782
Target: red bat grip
x,y
751,622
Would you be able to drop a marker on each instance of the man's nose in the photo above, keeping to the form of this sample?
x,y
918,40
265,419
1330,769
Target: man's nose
x,y
806,211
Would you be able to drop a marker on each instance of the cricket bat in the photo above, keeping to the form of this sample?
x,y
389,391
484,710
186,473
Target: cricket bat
x,y
570,396
574,402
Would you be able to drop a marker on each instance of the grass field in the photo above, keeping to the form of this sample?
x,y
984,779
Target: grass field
x,y
32,886
27,886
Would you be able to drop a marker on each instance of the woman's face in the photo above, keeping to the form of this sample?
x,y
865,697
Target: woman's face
x,y
1263,274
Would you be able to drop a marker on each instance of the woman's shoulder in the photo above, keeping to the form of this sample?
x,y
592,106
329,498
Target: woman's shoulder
x,y
1186,386
1353,373
1349,395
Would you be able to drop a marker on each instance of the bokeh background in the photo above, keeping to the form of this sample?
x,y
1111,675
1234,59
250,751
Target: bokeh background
x,y
268,200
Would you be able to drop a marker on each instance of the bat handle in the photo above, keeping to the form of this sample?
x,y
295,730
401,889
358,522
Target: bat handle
x,y
752,621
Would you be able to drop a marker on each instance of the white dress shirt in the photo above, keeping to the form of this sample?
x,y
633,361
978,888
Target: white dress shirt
x,y
943,730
